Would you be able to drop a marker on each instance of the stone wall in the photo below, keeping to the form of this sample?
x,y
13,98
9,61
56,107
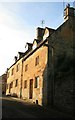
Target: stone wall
x,y
34,71
15,90
61,66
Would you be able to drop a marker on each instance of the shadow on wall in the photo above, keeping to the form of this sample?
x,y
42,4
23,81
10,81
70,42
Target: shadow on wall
x,y
44,90
63,84
58,87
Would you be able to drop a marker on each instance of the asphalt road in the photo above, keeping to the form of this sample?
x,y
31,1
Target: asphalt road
x,y
15,108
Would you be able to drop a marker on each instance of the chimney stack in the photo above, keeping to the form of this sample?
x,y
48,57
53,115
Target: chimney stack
x,y
39,33
69,12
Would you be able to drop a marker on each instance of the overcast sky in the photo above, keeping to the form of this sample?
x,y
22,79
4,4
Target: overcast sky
x,y
18,23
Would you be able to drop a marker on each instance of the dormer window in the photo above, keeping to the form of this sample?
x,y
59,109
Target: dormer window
x,y
46,34
34,45
28,46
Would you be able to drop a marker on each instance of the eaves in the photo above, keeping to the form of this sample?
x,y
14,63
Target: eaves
x,y
32,51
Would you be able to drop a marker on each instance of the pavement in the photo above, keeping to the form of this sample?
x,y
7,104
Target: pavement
x,y
26,109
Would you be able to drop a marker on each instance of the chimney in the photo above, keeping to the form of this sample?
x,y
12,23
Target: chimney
x,y
69,12
39,33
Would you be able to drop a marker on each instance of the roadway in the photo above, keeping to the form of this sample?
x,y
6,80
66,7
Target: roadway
x,y
16,108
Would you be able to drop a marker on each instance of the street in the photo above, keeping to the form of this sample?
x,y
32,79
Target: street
x,y
16,108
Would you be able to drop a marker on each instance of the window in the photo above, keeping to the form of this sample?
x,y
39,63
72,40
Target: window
x,y
74,12
26,67
8,74
36,82
11,84
34,45
37,60
17,67
25,84
12,72
16,83
6,86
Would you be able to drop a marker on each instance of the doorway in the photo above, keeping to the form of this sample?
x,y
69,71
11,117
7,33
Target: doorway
x,y
31,89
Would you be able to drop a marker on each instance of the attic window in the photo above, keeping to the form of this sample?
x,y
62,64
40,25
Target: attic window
x,y
34,45
46,34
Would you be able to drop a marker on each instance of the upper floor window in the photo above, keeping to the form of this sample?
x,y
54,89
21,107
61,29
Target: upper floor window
x,y
34,45
25,84
36,85
12,72
74,12
16,83
8,74
6,86
37,60
26,67
11,84
17,67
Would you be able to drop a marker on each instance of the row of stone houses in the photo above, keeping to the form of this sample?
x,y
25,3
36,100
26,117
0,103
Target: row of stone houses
x,y
25,76
44,73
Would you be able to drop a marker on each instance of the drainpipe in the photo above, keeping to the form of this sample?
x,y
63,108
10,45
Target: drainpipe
x,y
50,94
21,80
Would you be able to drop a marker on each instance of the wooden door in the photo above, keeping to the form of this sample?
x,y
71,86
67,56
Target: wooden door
x,y
31,89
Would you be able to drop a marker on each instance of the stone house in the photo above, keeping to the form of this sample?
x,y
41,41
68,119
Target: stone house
x,y
14,77
61,64
44,74
28,68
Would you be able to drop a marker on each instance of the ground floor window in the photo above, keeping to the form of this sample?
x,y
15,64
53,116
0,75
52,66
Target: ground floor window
x,y
6,86
36,82
16,83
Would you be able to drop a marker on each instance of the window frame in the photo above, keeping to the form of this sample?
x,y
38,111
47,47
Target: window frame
x,y
26,67
36,84
16,83
36,60
11,85
12,72
6,86
8,74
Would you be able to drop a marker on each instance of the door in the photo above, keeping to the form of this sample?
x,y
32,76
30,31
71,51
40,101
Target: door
x,y
31,89
20,92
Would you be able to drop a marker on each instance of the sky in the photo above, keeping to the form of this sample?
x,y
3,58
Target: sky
x,y
18,23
